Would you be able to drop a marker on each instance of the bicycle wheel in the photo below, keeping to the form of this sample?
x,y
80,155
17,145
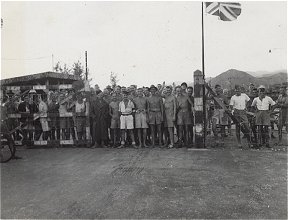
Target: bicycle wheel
x,y
7,148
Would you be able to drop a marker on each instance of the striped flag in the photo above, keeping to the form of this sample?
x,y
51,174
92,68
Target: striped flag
x,y
226,11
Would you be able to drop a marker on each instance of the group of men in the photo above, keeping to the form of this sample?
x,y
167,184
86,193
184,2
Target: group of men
x,y
53,121
156,115
252,114
142,116
150,116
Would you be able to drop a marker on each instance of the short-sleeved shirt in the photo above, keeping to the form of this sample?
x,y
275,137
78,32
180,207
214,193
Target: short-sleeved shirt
x,y
126,110
239,102
264,104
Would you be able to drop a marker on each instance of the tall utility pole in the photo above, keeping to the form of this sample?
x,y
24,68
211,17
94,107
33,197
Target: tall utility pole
x,y
52,62
86,65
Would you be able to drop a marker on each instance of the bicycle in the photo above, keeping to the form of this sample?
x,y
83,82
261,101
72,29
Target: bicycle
x,y
7,147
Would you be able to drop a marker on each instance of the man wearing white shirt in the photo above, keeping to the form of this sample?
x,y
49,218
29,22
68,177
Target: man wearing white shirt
x,y
238,104
262,104
126,107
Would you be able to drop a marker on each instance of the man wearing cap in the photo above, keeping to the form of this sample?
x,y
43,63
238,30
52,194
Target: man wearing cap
x,y
262,105
126,107
282,103
238,105
155,114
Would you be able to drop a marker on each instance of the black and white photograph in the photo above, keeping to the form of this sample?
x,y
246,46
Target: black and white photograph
x,y
143,110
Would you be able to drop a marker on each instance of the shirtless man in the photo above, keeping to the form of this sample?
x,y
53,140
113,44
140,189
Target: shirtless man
x,y
170,107
115,119
155,114
141,116
146,92
184,87
183,114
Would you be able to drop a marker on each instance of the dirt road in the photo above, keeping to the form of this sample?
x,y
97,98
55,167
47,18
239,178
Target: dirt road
x,y
85,183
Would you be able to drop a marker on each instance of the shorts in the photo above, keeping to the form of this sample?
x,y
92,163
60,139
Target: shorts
x,y
126,122
263,118
168,119
155,118
115,123
44,124
81,124
220,117
184,118
282,120
241,116
141,120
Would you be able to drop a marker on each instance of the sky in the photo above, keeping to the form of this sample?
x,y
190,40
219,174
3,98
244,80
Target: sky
x,y
144,43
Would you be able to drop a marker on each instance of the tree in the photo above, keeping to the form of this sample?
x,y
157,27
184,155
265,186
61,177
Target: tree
x,y
113,79
77,69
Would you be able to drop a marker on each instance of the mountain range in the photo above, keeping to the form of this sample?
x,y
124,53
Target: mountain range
x,y
231,77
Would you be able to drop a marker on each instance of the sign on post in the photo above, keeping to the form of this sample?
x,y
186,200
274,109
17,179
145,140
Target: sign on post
x,y
199,109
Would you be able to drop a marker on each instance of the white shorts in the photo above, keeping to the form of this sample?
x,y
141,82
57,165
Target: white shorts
x,y
141,120
126,122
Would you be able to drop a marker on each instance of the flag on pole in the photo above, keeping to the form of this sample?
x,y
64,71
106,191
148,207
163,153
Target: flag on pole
x,y
226,11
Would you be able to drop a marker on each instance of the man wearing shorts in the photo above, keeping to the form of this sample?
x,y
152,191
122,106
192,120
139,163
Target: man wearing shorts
x,y
80,120
115,119
170,107
126,107
141,116
238,105
155,114
282,103
262,104
184,108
